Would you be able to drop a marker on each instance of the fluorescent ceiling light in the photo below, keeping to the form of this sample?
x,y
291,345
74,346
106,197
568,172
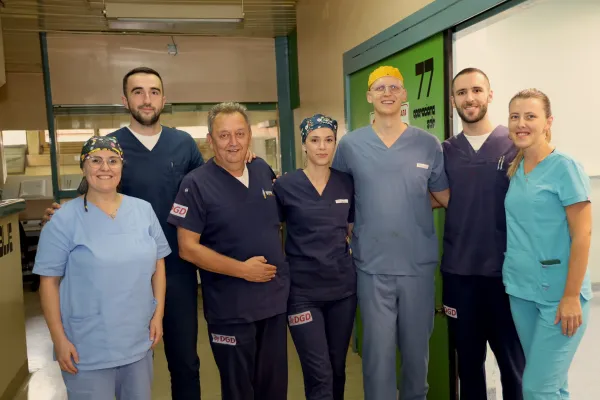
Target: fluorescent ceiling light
x,y
179,20
129,12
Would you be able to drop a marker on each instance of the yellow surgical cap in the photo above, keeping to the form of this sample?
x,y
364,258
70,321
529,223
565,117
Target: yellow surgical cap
x,y
385,71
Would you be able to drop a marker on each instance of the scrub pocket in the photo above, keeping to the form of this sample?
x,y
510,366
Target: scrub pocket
x,y
553,279
88,335
520,274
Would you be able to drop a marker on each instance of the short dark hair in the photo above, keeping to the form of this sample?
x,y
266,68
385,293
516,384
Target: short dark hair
x,y
140,70
470,71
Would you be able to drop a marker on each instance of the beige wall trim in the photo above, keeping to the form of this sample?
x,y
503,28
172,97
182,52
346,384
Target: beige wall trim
x,y
17,382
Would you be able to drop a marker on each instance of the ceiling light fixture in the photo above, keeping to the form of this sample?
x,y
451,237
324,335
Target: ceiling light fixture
x,y
173,13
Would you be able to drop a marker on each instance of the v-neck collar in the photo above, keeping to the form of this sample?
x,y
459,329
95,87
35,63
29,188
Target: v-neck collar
x,y
223,170
314,189
466,146
106,216
398,139
141,145
532,173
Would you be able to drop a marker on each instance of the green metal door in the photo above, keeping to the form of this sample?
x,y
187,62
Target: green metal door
x,y
422,67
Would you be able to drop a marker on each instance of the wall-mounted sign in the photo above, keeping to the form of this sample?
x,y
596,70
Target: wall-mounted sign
x,y
6,239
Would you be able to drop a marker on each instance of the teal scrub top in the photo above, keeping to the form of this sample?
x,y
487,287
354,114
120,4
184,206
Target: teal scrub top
x,y
538,239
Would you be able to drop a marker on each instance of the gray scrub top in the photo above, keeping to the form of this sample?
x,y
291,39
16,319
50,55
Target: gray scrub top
x,y
393,231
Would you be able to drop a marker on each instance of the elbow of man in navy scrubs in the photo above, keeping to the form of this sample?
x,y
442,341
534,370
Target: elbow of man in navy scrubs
x,y
476,162
395,247
318,207
228,224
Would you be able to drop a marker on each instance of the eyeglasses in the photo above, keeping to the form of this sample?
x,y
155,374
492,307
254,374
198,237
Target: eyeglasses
x,y
381,89
112,162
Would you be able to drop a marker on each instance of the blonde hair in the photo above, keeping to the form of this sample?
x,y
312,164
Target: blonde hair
x,y
529,94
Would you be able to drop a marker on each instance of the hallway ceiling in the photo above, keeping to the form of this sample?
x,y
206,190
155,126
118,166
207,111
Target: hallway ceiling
x,y
262,18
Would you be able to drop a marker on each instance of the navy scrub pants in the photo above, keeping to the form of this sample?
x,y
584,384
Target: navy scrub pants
x,y
479,313
252,359
396,312
321,332
180,334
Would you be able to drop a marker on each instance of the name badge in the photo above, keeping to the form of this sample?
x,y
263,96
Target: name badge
x,y
424,166
451,312
222,339
300,319
341,201
178,210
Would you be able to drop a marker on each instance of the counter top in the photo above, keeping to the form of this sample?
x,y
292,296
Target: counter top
x,y
11,206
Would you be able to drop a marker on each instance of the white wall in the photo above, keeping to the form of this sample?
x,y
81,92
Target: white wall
x,y
550,45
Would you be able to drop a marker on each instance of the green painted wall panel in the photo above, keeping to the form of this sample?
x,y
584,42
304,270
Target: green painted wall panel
x,y
426,109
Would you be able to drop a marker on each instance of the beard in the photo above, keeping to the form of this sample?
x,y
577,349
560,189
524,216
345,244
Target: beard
x,y
471,120
148,121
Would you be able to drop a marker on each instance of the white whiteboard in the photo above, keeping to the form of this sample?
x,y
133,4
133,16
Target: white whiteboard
x,y
551,45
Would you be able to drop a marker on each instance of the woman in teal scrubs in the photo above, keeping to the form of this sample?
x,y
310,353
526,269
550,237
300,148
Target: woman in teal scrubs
x,y
549,218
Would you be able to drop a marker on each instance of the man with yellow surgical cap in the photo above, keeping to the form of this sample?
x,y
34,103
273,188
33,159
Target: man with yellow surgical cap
x,y
395,167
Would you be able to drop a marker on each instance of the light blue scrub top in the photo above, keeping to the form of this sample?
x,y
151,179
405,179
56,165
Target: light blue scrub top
x,y
393,230
538,243
106,296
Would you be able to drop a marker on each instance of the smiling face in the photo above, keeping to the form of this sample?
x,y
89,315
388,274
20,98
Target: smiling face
x,y
102,170
529,122
230,138
387,95
320,146
471,95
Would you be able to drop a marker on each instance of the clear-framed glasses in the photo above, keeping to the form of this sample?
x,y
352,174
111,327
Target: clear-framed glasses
x,y
380,89
112,162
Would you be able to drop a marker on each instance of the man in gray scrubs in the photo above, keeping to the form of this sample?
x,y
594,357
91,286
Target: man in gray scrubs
x,y
395,167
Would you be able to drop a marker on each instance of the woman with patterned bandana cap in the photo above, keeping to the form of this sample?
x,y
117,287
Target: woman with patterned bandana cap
x,y
101,262
318,207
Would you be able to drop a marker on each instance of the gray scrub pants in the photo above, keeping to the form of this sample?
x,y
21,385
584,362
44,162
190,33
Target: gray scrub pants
x,y
396,311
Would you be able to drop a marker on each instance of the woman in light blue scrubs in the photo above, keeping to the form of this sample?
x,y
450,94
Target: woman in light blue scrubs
x,y
102,286
549,218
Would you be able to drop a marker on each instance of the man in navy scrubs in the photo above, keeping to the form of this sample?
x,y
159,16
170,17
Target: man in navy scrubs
x,y
158,158
395,247
476,162
228,224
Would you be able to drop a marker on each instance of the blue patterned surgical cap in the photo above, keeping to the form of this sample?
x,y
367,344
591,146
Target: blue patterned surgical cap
x,y
315,122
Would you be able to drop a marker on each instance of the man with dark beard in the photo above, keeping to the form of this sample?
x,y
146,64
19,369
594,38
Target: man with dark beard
x,y
476,163
158,157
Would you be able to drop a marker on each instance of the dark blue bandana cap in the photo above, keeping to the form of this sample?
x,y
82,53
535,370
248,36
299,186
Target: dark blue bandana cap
x,y
315,122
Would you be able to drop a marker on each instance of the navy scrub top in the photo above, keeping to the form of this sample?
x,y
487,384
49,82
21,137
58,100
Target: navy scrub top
x,y
475,227
318,253
155,175
238,222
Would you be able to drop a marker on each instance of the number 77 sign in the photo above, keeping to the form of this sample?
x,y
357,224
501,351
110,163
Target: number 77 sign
x,y
421,69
